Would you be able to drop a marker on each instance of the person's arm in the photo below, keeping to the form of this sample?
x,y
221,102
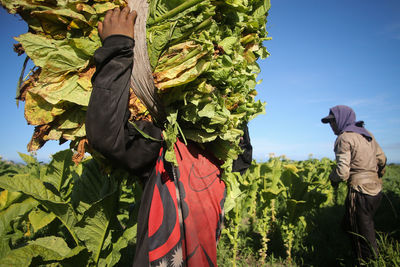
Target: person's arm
x,y
343,157
107,127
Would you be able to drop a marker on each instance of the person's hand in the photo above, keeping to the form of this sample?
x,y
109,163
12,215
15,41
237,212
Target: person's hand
x,y
381,171
118,21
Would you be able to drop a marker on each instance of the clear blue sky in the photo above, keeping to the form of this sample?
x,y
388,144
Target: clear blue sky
x,y
323,53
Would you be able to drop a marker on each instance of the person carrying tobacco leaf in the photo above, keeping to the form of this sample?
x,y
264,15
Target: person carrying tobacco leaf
x,y
361,163
181,209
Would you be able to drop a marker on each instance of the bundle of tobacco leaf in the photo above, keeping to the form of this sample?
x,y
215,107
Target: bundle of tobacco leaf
x,y
200,67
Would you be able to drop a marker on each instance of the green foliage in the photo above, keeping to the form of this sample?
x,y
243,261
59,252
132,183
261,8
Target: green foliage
x,y
288,209
272,199
391,183
65,213
203,55
9,168
389,252
280,213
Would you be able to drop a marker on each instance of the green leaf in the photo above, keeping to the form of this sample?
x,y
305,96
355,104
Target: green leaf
x,y
35,188
28,159
58,172
200,136
178,76
48,248
86,45
55,57
30,186
39,219
91,185
4,247
228,44
93,229
233,189
74,134
7,198
13,212
37,47
208,111
128,236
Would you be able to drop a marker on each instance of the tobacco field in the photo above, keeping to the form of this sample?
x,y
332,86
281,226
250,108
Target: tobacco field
x,y
285,213
79,210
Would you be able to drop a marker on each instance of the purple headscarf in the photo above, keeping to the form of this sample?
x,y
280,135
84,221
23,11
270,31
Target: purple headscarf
x,y
346,121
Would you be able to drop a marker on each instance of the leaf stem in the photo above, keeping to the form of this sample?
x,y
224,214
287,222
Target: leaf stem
x,y
198,27
173,12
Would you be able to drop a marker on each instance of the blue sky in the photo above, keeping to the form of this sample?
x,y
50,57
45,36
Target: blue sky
x,y
323,53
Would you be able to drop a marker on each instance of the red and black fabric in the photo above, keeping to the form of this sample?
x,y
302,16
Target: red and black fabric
x,y
186,210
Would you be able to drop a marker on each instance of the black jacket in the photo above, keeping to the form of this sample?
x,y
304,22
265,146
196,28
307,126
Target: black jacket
x,y
107,127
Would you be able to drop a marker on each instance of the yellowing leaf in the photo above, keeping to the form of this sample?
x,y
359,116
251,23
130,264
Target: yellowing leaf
x,y
38,111
104,7
73,89
187,76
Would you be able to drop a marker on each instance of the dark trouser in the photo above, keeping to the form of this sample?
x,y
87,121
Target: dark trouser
x,y
359,223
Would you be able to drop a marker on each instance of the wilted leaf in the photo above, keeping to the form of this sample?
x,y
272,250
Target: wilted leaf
x,y
37,140
14,6
68,89
38,111
102,8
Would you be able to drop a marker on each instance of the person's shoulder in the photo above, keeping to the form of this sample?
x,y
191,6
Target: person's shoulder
x,y
347,137
354,138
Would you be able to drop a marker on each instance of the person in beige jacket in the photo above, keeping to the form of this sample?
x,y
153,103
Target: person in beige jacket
x,y
360,162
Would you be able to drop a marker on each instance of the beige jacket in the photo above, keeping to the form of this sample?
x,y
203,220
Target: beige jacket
x,y
357,163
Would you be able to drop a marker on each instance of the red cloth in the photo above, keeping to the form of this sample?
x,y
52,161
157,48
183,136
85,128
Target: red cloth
x,y
186,210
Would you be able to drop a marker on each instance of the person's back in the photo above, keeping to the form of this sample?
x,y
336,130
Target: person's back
x,y
363,157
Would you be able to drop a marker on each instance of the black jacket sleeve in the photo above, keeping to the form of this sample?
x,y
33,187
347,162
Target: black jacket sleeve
x,y
107,127
243,162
